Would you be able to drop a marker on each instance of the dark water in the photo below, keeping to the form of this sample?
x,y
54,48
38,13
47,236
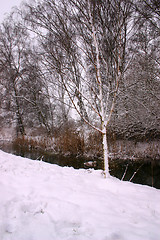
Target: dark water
x,y
142,172
146,172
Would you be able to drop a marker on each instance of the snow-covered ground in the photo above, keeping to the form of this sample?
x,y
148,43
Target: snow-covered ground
x,y
40,201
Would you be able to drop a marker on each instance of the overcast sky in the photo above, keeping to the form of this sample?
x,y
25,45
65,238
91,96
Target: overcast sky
x,y
6,6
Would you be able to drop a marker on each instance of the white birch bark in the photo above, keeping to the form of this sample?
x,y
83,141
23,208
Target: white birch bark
x,y
105,155
100,86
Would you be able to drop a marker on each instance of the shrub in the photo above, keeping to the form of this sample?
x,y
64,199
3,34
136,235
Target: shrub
x,y
24,145
69,141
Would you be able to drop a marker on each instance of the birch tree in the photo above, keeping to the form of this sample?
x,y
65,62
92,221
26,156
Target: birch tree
x,y
91,38
86,48
102,25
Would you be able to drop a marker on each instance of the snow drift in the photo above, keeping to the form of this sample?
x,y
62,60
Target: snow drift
x,y
40,201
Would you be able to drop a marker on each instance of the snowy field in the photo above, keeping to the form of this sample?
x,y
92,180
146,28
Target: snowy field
x,y
40,201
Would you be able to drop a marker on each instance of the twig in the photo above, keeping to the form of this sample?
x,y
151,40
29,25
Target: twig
x,y
135,172
124,173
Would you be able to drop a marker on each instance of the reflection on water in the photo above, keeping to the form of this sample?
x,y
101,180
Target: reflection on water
x,y
143,172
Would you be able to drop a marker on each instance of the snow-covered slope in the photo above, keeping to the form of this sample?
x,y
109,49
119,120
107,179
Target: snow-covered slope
x,y
40,201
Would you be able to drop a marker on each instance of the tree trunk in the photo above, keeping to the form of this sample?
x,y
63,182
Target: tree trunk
x,y
105,155
20,125
101,97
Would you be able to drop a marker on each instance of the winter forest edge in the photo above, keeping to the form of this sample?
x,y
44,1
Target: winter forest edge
x,y
77,77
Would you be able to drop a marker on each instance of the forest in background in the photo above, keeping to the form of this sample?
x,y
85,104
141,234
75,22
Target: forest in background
x,y
72,70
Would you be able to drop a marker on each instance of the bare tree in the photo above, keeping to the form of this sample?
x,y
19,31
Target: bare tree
x,y
105,24
88,54
84,44
24,94
12,42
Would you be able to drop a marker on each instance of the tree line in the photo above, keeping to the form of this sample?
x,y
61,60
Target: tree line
x,y
94,61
